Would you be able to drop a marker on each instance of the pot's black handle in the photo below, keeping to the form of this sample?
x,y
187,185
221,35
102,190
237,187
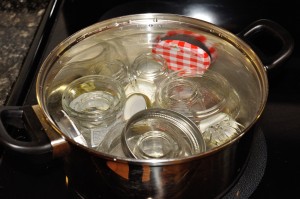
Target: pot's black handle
x,y
271,42
22,134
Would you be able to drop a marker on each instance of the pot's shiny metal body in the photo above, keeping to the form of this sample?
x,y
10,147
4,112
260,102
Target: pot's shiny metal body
x,y
208,176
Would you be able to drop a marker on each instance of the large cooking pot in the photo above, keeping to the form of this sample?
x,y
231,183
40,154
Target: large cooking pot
x,y
95,174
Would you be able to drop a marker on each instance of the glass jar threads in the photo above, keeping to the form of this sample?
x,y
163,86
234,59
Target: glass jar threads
x,y
116,69
196,95
94,102
148,70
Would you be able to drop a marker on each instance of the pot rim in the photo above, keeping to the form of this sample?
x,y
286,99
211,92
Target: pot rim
x,y
108,24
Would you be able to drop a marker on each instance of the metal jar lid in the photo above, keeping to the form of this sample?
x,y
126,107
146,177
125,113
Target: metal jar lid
x,y
161,134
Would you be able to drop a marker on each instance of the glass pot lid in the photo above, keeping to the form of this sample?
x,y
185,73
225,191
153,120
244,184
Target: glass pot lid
x,y
186,44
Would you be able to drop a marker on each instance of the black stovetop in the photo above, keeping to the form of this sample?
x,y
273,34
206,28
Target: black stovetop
x,y
276,173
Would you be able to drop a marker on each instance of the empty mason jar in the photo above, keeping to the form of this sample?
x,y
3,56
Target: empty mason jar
x,y
219,129
148,70
95,103
115,69
149,66
197,96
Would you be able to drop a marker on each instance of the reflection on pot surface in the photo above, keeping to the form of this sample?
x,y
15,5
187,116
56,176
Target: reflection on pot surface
x,y
155,182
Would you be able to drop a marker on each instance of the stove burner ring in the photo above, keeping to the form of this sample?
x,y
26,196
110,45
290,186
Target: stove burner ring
x,y
250,178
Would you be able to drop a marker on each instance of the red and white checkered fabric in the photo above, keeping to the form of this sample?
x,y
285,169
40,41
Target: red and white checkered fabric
x,y
181,55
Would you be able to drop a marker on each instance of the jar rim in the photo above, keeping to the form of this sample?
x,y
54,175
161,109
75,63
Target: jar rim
x,y
113,84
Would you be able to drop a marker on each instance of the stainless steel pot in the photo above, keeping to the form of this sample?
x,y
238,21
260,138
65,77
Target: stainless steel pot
x,y
96,174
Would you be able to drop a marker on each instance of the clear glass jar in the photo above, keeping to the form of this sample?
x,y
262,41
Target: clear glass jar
x,y
115,69
95,103
147,70
87,54
219,129
197,96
